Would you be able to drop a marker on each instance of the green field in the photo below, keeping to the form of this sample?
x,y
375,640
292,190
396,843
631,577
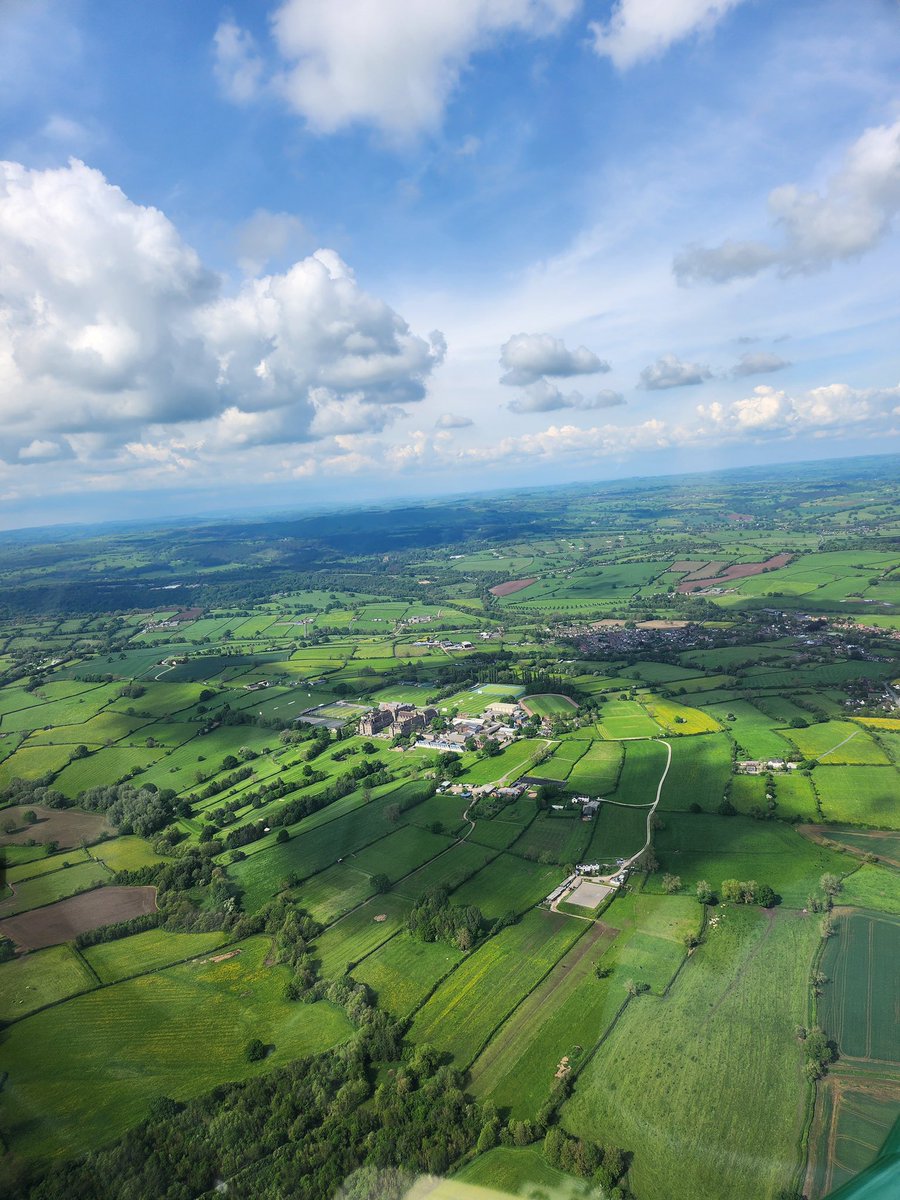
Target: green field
x,y
44,889
640,938
404,971
464,1011
43,977
556,838
148,951
515,1172
597,771
506,766
561,762
859,795
642,770
729,1017
550,706
346,943
626,719
836,743
754,732
874,887
82,1072
858,1004
617,831
714,848
508,884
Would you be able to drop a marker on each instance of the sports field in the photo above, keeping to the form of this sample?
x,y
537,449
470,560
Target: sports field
x,y
549,705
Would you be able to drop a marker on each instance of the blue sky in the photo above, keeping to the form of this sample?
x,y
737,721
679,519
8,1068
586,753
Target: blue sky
x,y
302,251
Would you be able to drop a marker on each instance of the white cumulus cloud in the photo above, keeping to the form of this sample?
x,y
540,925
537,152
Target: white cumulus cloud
x,y
110,324
527,357
642,29
392,64
847,218
670,372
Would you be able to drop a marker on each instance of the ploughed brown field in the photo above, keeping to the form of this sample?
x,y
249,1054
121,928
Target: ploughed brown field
x,y
699,579
63,825
62,921
511,585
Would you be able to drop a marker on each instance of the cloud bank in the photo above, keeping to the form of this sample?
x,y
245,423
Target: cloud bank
x,y
847,218
110,324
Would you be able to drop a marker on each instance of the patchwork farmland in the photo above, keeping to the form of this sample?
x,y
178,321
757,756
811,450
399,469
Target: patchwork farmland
x,y
212,874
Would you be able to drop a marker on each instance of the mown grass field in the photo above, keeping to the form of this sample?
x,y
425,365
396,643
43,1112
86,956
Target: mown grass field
x,y
127,853
404,970
399,853
562,838
570,1010
33,762
464,1011
515,1171
147,951
44,889
562,760
641,773
344,944
549,705
508,765
597,771
859,795
313,846
706,1086
82,1072
448,870
755,733
42,866
626,719
508,884
42,977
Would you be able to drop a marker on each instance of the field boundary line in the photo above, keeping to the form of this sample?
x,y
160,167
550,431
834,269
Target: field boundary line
x,y
77,952
537,984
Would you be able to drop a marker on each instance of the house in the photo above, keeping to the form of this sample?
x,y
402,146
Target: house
x,y
589,810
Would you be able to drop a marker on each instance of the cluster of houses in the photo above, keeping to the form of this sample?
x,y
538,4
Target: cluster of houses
x,y
589,807
752,766
443,644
